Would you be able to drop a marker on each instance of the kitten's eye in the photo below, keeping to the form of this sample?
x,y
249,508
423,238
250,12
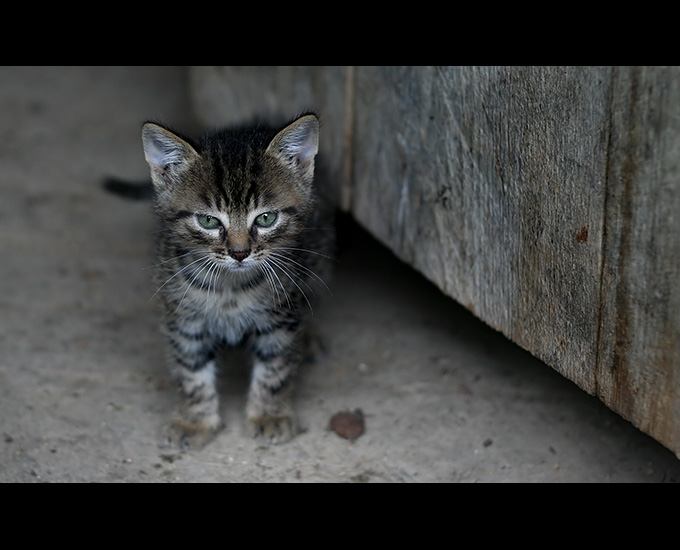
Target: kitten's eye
x,y
267,219
207,222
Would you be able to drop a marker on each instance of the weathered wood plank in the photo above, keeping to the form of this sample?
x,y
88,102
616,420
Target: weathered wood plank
x,y
490,182
638,368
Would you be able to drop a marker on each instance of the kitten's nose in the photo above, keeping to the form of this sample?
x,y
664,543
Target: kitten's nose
x,y
239,255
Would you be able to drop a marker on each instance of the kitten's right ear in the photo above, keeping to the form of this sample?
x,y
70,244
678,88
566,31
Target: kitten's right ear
x,y
167,154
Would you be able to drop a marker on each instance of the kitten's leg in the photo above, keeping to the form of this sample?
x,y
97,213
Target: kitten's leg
x,y
197,419
269,411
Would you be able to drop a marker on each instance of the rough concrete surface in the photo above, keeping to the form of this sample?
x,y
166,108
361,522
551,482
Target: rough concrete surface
x,y
84,392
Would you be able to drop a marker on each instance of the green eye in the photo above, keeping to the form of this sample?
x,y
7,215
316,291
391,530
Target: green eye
x,y
267,219
207,222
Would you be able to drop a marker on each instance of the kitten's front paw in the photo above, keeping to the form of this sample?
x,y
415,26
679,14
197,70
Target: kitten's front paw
x,y
185,436
270,430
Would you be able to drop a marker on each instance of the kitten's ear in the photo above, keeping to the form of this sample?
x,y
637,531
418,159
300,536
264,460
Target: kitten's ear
x,y
166,153
297,144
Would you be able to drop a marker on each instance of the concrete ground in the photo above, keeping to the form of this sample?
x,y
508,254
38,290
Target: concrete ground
x,y
84,393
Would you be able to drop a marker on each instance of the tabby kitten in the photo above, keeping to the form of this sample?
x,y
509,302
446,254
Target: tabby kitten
x,y
240,245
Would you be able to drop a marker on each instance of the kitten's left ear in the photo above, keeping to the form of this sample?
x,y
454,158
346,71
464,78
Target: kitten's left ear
x,y
297,144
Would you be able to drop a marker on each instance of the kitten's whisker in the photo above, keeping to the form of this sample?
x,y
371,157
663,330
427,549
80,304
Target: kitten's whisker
x,y
301,276
189,283
169,260
283,288
216,278
285,271
264,268
307,250
218,274
304,269
281,285
212,275
207,280
175,275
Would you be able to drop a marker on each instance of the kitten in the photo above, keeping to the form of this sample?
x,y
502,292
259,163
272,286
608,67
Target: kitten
x,y
242,239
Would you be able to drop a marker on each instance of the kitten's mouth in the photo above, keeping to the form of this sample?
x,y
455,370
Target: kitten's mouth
x,y
239,266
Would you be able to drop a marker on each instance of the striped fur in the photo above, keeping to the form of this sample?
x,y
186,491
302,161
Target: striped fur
x,y
242,244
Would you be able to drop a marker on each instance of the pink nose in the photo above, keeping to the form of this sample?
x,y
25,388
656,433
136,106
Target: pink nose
x,y
239,255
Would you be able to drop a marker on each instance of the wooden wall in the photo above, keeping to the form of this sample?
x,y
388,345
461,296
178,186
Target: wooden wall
x,y
544,199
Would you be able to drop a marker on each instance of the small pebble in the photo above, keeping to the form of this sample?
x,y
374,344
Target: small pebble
x,y
348,424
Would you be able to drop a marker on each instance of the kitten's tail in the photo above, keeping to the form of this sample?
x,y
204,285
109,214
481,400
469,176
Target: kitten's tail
x,y
129,190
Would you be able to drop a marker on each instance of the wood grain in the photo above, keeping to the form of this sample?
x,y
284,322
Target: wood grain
x,y
488,180
638,367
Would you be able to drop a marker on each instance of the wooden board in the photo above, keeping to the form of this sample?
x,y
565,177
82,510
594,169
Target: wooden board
x,y
490,182
638,367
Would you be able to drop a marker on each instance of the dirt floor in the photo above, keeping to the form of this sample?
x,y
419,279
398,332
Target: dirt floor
x,y
84,392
